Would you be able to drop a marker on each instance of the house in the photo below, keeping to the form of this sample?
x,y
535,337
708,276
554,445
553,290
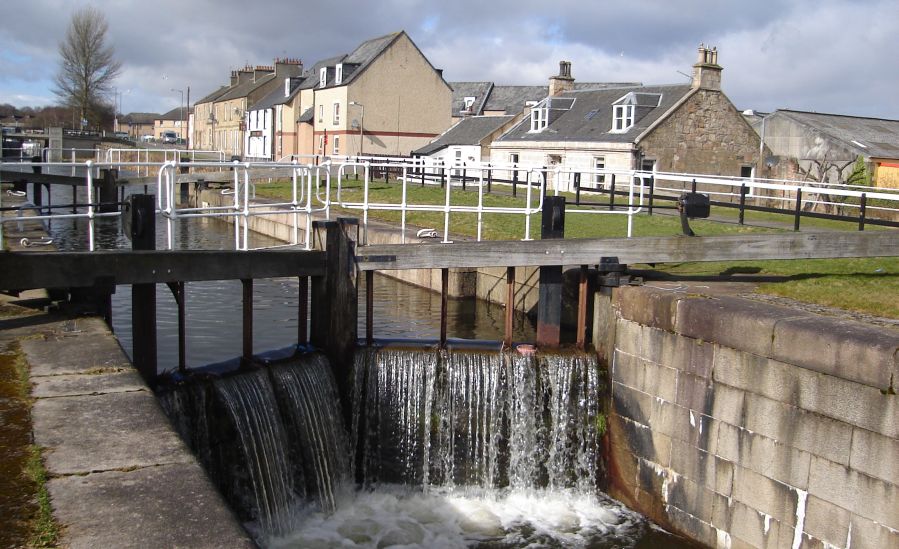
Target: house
x,y
690,128
826,147
468,140
383,98
173,121
270,122
138,124
220,118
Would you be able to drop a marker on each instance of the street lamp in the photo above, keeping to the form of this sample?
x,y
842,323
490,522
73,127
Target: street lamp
x,y
180,111
361,122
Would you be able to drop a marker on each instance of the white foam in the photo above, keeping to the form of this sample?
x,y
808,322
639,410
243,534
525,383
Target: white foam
x,y
397,516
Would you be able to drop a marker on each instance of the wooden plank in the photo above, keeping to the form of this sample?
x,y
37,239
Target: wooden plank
x,y
664,249
46,178
25,270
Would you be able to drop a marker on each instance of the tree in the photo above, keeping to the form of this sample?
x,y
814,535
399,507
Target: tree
x,y
87,65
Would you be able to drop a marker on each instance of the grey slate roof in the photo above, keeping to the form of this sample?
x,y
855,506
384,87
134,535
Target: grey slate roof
x,y
277,97
468,131
512,99
879,136
213,96
307,115
479,90
590,115
244,89
175,114
353,64
140,118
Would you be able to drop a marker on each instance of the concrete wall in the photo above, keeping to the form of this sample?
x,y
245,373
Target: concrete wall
x,y
744,424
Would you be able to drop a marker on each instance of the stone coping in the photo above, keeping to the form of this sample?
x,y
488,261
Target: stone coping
x,y
848,349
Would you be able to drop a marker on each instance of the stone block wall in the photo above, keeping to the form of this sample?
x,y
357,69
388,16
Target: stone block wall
x,y
743,424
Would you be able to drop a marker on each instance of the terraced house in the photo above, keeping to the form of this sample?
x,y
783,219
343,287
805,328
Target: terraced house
x,y
691,128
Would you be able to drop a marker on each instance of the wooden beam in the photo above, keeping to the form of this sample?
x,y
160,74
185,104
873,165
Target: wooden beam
x,y
663,249
26,270
46,178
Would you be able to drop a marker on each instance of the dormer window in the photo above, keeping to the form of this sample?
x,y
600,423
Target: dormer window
x,y
539,118
622,118
322,77
469,103
338,73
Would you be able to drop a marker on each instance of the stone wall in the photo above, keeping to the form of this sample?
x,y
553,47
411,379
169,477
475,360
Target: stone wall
x,y
720,140
743,424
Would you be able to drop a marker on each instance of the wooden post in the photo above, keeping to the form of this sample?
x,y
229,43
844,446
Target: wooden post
x,y
444,290
489,178
442,177
862,206
510,306
549,305
694,185
742,203
369,308
247,284
335,302
514,181
177,289
577,189
582,309
612,194
108,192
142,216
464,178
303,310
652,188
798,211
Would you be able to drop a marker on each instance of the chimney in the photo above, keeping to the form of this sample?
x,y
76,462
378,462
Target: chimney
x,y
563,82
288,67
261,71
233,78
707,71
244,75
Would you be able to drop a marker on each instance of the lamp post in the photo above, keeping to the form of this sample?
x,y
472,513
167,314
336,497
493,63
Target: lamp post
x,y
361,122
180,111
212,121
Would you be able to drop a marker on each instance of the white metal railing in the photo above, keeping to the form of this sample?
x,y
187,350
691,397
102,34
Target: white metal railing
x,y
131,155
322,183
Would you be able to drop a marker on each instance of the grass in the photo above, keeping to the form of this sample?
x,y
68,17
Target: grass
x,y
869,285
44,532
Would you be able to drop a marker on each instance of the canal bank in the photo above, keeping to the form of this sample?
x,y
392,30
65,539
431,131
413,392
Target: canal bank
x,y
117,474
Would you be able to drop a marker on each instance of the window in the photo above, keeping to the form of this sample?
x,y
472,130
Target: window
x,y
322,77
321,113
513,158
622,117
336,144
338,73
469,102
337,113
599,163
539,118
747,172
321,143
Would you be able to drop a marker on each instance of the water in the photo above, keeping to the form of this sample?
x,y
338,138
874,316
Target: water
x,y
214,310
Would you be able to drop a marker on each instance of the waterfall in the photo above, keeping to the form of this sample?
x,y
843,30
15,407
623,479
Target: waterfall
x,y
271,439
490,420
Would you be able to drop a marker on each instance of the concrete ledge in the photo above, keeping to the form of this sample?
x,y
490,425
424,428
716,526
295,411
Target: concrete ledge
x,y
648,305
165,506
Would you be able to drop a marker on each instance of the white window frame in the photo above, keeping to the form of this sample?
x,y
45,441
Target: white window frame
x,y
336,113
322,77
321,113
514,158
539,119
336,149
622,117
338,73
599,163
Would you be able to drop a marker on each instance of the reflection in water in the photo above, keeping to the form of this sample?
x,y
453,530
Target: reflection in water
x,y
214,310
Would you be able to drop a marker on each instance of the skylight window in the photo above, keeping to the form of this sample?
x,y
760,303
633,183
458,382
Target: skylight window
x,y
591,115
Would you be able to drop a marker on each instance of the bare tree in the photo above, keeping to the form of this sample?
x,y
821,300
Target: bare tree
x,y
87,65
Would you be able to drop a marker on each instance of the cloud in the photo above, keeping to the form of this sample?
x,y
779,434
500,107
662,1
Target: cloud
x,y
827,55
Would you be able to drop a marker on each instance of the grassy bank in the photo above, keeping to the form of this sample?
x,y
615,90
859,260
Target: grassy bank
x,y
24,501
869,285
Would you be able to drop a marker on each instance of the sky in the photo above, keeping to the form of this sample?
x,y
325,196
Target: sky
x,y
833,56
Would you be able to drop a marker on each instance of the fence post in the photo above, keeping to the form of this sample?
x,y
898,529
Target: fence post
x,y
442,177
694,185
861,211
549,303
36,188
612,194
577,189
108,193
798,213
514,181
141,212
652,189
489,179
742,202
464,178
